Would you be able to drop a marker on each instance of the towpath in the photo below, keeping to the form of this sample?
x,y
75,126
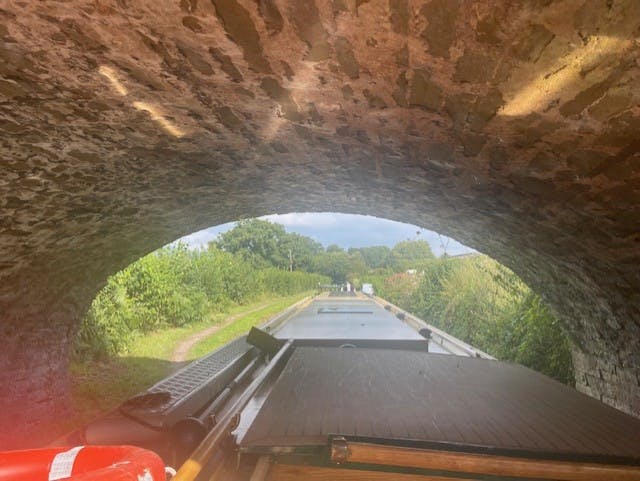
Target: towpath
x,y
182,349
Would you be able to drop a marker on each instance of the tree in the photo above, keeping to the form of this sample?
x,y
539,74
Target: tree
x,y
357,266
333,264
409,255
374,257
259,242
265,244
303,250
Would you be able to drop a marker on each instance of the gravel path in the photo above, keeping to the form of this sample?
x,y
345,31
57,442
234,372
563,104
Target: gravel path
x,y
182,350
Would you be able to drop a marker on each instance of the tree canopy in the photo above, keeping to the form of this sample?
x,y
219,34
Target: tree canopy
x,y
263,243
374,257
410,254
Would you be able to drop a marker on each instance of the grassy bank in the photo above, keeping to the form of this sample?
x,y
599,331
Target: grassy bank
x,y
99,386
234,330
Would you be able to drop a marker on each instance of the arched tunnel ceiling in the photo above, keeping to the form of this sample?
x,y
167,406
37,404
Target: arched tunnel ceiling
x,y
510,125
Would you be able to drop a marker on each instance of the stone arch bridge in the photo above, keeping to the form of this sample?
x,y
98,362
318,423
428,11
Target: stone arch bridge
x,y
511,125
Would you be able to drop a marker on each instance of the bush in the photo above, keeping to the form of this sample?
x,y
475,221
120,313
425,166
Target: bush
x,y
106,328
286,283
172,287
487,305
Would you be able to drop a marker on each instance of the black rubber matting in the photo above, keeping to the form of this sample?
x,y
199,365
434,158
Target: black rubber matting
x,y
432,397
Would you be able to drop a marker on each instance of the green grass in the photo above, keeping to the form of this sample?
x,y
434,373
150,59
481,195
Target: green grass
x,y
98,386
241,326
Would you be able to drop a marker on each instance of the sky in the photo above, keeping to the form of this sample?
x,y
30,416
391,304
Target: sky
x,y
345,230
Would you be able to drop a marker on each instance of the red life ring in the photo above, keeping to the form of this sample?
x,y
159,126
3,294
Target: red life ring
x,y
82,463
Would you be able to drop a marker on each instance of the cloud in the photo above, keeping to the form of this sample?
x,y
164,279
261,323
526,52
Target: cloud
x,y
306,219
345,230
200,239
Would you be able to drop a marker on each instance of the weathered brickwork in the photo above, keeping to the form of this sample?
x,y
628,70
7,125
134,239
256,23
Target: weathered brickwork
x,y
35,390
612,383
509,125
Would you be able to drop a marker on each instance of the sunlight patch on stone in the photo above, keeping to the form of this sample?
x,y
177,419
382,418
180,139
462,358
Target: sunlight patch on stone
x,y
111,75
168,126
566,73
158,117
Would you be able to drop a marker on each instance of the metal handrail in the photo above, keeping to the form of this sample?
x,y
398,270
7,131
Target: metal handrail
x,y
456,343
209,445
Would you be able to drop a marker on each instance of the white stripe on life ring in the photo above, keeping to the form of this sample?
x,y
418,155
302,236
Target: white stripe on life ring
x,y
62,465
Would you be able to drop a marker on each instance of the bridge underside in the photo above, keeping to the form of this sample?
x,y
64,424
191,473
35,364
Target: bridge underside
x,y
511,126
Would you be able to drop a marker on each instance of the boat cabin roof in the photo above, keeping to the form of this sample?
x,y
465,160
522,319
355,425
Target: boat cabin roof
x,y
417,396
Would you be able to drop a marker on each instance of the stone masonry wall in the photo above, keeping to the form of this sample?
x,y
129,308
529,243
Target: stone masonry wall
x,y
35,385
511,125
608,380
